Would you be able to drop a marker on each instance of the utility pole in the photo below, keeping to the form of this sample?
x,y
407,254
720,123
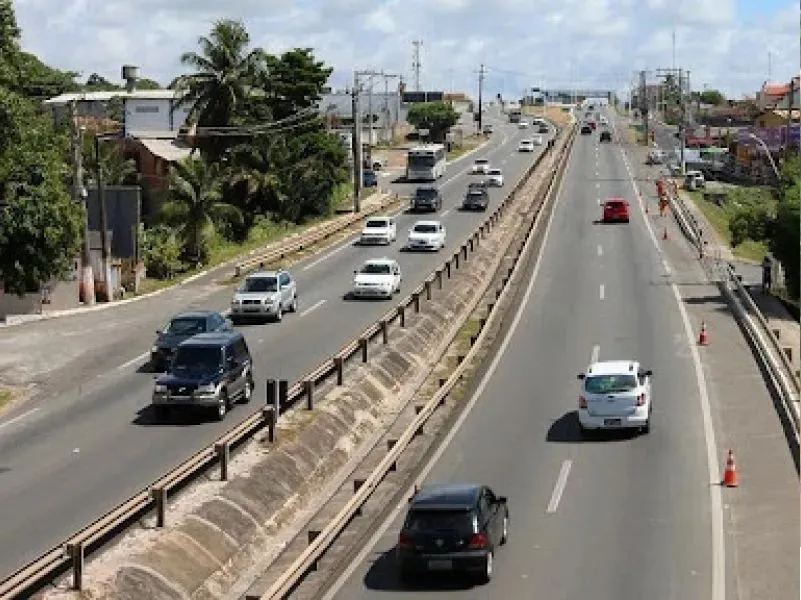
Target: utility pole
x,y
481,74
104,245
387,110
416,64
356,143
682,131
79,195
644,102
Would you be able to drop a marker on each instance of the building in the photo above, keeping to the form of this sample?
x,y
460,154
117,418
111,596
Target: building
x,y
779,95
389,116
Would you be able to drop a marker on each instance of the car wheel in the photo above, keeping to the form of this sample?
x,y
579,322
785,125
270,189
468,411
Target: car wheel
x,y
247,393
279,314
294,306
489,568
505,529
585,433
222,405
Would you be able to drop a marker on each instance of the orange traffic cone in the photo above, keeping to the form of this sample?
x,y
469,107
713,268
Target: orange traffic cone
x,y
703,337
664,234
730,473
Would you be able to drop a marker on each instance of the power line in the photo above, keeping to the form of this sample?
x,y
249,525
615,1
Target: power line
x,y
416,64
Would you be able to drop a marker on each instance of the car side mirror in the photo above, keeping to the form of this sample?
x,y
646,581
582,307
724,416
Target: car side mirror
x,y
580,376
355,272
501,499
158,331
647,373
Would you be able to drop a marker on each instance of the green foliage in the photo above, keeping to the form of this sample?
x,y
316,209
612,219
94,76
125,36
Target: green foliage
x,y
161,251
98,83
712,97
292,81
115,169
785,240
437,117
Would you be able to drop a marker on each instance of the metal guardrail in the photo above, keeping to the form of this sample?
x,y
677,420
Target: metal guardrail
x,y
770,351
322,540
316,236
71,553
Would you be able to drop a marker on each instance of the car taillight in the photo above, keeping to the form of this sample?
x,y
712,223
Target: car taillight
x,y
404,541
582,402
478,540
641,400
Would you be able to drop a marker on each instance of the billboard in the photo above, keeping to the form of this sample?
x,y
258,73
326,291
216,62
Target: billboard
x,y
420,97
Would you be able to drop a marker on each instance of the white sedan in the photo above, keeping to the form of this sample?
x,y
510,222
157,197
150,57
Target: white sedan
x,y
522,125
426,235
615,394
525,146
377,278
495,178
537,140
480,166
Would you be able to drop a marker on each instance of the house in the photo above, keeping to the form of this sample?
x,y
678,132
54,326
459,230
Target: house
x,y
779,95
459,101
389,114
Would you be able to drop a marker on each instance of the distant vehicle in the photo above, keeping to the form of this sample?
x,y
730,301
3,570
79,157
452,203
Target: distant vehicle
x,y
377,278
209,371
593,125
180,328
694,180
586,129
480,166
452,528
369,179
495,178
606,136
426,198
426,163
615,394
616,210
426,235
655,157
537,140
522,125
515,115
476,198
378,230
525,146
488,129
544,128
265,295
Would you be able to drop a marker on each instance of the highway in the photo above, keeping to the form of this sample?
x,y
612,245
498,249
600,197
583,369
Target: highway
x,y
615,518
71,458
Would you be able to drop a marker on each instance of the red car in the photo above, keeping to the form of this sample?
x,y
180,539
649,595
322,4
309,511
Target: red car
x,y
593,125
616,210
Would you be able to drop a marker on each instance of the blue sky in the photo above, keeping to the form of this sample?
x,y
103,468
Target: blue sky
x,y
524,43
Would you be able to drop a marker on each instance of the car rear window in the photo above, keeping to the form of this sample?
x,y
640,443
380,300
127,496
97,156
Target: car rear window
x,y
377,223
610,384
441,520
615,204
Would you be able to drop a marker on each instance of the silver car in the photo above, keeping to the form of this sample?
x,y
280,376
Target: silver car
x,y
265,295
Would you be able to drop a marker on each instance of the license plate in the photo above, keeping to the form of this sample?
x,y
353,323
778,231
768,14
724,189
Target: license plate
x,y
440,565
252,309
612,422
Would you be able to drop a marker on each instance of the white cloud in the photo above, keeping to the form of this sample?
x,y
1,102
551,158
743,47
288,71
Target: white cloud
x,y
523,42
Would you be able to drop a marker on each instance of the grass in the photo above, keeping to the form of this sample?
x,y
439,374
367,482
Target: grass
x,y
720,216
5,398
468,144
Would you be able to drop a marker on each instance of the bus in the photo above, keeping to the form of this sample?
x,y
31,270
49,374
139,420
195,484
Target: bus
x,y
426,163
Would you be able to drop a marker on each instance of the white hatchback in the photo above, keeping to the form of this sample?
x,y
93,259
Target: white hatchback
x,y
480,166
537,139
426,235
525,146
615,394
377,278
378,230
495,178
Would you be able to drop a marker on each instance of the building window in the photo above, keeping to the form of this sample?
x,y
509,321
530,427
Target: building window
x,y
146,109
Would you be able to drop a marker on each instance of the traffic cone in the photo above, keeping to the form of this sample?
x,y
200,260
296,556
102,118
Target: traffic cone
x,y
664,234
703,337
730,473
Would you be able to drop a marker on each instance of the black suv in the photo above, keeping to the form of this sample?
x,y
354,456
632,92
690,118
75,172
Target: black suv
x,y
606,136
586,129
426,198
182,327
477,197
452,527
208,371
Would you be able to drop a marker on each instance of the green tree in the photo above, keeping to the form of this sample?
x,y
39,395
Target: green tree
x,y
712,97
148,84
437,117
114,167
224,72
785,241
293,82
195,204
98,83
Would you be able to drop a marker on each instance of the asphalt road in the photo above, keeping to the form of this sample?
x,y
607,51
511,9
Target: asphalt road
x,y
630,516
68,460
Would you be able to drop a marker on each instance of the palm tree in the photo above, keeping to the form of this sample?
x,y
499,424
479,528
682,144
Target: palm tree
x,y
224,71
196,203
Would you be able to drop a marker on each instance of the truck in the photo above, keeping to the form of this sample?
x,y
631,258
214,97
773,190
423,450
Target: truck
x,y
514,115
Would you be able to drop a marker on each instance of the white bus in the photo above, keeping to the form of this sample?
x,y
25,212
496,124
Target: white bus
x,y
426,163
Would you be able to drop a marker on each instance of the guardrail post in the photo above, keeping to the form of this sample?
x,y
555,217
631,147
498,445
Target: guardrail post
x,y
473,339
308,387
76,555
160,496
223,451
237,271
418,408
442,381
482,230
788,351
390,445
490,307
402,315
312,535
272,406
416,302
283,394
339,365
464,250
447,270
459,359
363,343
428,289
777,333
439,279
357,485
384,331
481,323
456,259
470,243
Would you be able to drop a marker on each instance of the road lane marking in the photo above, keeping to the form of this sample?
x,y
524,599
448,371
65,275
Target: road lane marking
x,y
603,291
715,498
596,350
134,360
600,250
559,488
367,549
314,306
597,185
19,418
445,212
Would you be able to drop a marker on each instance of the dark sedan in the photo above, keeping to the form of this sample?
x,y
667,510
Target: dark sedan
x,y
182,327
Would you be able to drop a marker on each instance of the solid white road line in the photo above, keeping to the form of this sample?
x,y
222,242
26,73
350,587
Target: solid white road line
x,y
600,250
596,350
559,488
314,306
19,418
715,499
602,291
382,528
133,361
445,212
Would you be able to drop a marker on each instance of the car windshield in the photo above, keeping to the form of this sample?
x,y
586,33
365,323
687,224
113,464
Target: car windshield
x,y
482,161
186,326
425,228
476,193
416,161
376,269
615,204
377,224
610,384
259,284
425,192
440,520
495,172
197,359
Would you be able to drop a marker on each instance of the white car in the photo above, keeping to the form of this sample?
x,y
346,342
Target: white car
x,y
426,235
378,230
480,166
525,146
495,178
522,125
615,394
537,140
377,278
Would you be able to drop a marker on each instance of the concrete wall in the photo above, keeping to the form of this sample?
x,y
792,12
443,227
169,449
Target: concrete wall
x,y
55,295
152,114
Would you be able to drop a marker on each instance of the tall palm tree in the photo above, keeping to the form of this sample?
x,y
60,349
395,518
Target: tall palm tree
x,y
196,204
224,71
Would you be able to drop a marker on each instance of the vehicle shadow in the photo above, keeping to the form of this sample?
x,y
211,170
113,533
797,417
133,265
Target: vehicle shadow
x,y
383,576
566,430
148,416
